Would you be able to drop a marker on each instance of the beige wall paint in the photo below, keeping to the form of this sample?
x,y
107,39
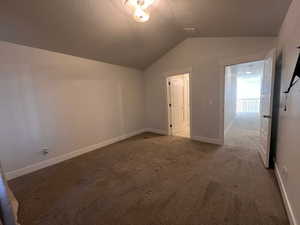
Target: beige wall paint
x,y
205,56
288,151
62,102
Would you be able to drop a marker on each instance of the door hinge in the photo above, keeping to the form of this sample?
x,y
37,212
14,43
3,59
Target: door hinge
x,y
170,105
171,125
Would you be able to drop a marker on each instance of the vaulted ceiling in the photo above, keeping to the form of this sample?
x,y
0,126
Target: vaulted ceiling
x,y
103,30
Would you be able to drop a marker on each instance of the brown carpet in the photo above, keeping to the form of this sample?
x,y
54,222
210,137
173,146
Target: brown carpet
x,y
153,180
244,131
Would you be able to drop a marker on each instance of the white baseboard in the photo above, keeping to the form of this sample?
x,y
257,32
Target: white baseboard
x,y
157,131
286,200
40,165
216,141
45,163
196,138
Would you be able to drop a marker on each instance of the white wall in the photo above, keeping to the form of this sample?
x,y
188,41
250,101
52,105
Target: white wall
x,y
230,98
288,139
205,56
62,102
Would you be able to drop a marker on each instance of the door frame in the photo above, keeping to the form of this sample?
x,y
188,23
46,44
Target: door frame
x,y
223,64
167,97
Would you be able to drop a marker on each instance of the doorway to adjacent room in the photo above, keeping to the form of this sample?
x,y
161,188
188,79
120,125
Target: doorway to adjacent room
x,y
242,104
178,98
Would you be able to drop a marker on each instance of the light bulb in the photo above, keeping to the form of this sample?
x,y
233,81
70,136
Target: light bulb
x,y
141,16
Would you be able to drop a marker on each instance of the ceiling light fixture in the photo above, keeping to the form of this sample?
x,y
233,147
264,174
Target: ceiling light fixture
x,y
140,9
141,16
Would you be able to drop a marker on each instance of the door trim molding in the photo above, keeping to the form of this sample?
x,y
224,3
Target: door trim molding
x,y
167,75
222,65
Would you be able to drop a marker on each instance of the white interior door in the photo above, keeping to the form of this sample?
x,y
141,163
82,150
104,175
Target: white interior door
x,y
266,102
177,101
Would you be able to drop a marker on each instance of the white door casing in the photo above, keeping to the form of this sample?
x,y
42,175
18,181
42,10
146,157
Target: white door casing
x,y
266,106
178,98
187,100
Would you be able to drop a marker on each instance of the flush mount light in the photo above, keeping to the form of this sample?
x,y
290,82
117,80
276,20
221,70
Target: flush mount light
x,y
248,72
140,9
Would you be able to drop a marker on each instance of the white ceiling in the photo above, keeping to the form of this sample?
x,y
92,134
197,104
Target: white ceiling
x,y
103,30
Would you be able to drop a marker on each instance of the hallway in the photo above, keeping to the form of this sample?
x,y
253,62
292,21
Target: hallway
x,y
244,131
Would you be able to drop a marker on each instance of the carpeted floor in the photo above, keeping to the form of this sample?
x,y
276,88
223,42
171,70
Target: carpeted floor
x,y
153,180
244,131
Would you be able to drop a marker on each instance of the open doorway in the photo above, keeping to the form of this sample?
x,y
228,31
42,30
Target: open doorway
x,y
242,104
178,87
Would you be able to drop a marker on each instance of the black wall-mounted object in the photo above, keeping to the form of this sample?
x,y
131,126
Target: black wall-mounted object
x,y
295,74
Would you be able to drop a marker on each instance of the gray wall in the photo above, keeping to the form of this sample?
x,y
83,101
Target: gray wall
x,y
62,102
205,56
288,139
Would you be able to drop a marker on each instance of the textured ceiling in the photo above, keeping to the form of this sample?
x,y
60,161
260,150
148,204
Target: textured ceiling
x,y
103,30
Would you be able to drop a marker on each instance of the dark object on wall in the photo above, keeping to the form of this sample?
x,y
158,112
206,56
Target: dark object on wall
x,y
296,74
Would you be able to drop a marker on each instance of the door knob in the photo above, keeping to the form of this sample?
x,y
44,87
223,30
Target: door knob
x,y
267,116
